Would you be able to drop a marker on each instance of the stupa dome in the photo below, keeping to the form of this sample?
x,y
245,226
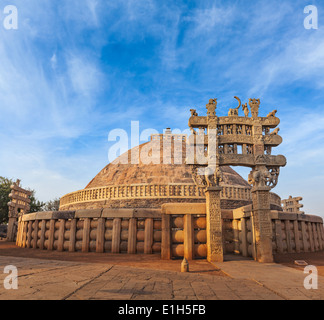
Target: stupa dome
x,y
144,177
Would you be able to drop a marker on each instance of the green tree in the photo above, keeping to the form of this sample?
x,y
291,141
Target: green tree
x,y
4,198
35,205
52,205
5,183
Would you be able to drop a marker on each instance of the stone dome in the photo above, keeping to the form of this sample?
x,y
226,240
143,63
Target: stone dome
x,y
149,175
121,171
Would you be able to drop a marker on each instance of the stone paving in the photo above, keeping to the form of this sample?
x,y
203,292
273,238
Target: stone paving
x,y
49,279
286,282
73,280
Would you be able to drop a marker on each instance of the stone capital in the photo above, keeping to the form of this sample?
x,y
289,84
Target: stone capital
x,y
264,188
215,188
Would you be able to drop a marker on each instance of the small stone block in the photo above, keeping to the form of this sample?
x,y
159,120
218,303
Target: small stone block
x,y
185,265
301,263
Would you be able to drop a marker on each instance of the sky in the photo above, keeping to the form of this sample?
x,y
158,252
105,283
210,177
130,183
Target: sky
x,y
74,71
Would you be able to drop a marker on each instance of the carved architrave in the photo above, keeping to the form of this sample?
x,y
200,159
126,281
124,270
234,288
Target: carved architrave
x,y
254,138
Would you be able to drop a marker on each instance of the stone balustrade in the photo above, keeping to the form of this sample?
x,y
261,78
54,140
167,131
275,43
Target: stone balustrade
x,y
99,230
176,230
147,191
291,232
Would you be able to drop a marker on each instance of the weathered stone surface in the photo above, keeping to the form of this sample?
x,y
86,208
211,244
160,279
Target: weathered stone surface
x,y
184,208
122,213
88,213
214,226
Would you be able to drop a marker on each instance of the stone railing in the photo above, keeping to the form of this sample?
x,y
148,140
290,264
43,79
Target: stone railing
x,y
150,191
176,230
291,232
184,231
99,230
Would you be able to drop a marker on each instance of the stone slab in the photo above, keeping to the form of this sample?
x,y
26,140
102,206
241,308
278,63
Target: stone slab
x,y
88,213
147,213
62,280
184,208
117,213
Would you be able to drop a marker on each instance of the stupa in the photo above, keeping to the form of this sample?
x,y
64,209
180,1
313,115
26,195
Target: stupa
x,y
161,197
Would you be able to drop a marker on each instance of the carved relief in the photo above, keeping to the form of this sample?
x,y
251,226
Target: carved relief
x,y
234,112
272,114
229,129
267,150
249,149
254,105
266,131
230,149
245,110
274,175
193,113
211,107
259,177
211,178
275,132
239,129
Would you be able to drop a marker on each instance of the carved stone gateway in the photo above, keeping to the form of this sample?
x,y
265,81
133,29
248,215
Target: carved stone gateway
x,y
292,205
236,141
19,205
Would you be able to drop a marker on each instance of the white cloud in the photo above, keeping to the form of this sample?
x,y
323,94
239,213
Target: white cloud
x,y
85,76
53,61
206,20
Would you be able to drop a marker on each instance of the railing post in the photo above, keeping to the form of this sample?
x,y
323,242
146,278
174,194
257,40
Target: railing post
x,y
166,237
188,237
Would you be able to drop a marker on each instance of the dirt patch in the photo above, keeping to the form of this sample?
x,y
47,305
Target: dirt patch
x,y
147,261
312,258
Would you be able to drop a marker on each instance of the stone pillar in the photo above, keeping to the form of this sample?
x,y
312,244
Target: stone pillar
x,y
214,225
261,224
11,229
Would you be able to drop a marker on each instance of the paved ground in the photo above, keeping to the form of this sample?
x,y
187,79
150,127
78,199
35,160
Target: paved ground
x,y
55,275
46,279
286,282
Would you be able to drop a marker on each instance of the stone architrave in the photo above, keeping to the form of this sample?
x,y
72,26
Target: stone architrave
x,y
214,225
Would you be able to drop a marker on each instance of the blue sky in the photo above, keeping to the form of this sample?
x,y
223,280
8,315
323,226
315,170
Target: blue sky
x,y
75,70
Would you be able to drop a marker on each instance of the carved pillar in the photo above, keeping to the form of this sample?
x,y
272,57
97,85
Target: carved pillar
x,y
13,218
214,225
261,224
11,229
